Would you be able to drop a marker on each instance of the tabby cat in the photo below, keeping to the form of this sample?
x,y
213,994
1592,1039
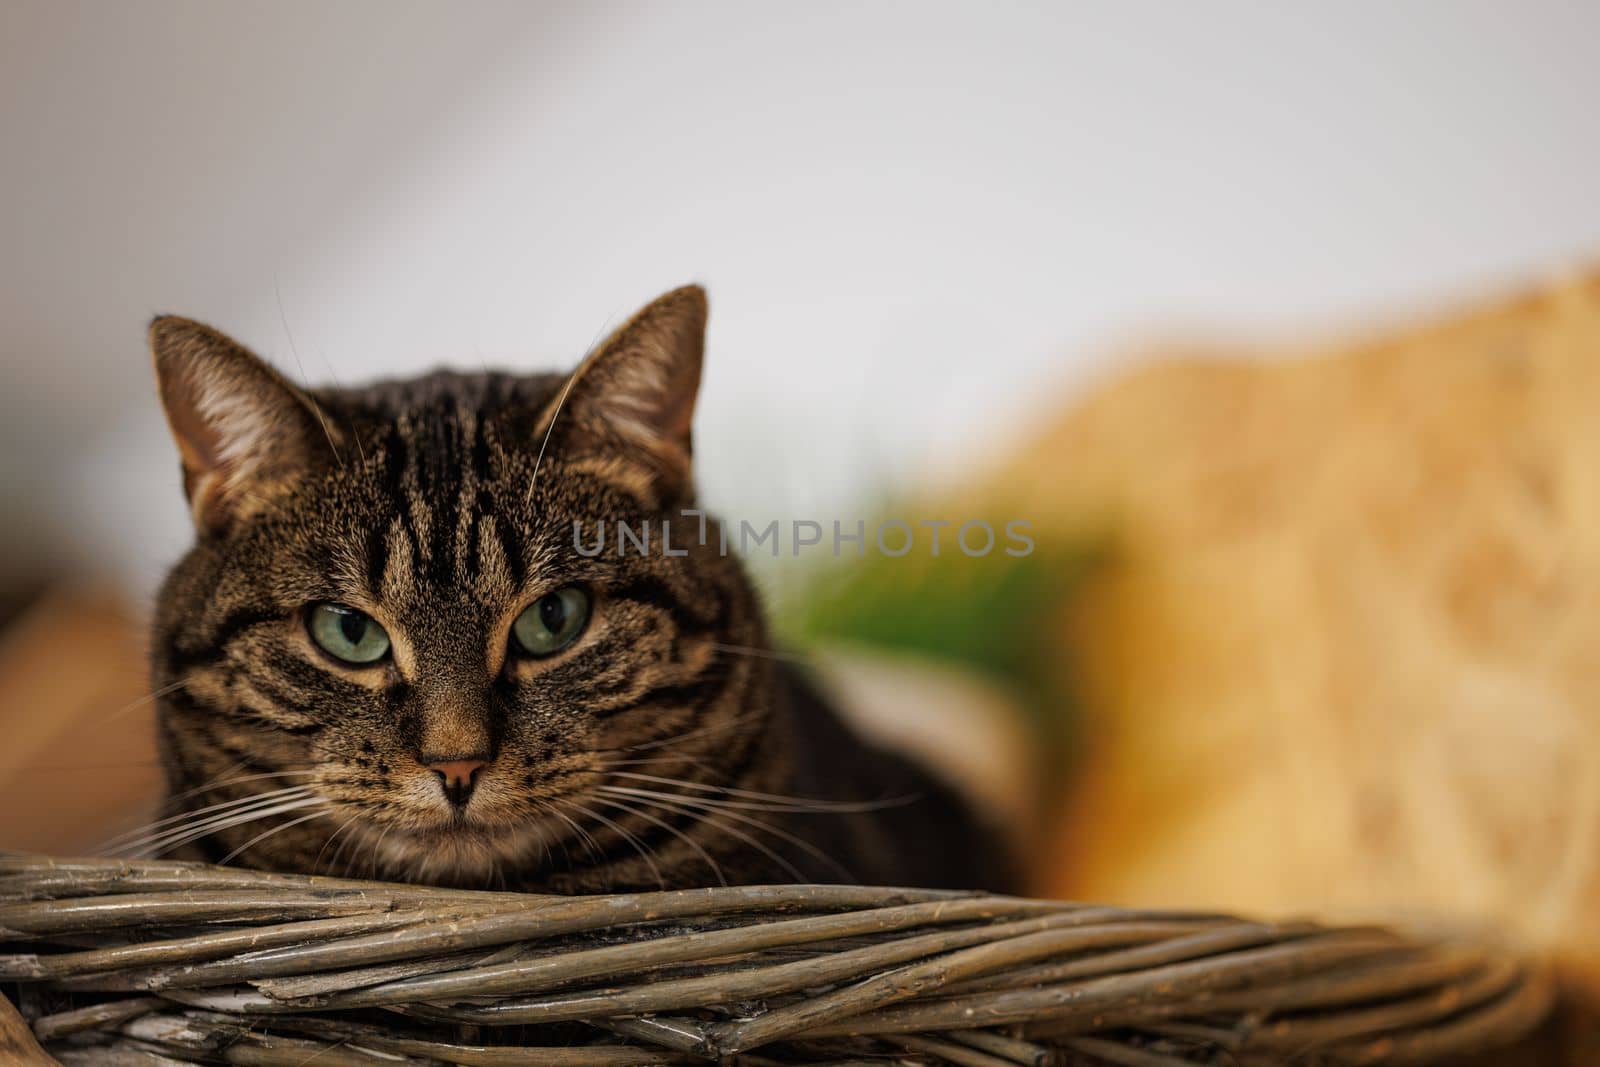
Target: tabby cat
x,y
385,655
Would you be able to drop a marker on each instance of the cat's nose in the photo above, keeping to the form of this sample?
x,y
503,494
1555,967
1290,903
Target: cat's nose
x,y
458,776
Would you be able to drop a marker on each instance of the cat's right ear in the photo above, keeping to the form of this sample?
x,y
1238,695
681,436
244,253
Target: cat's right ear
x,y
244,432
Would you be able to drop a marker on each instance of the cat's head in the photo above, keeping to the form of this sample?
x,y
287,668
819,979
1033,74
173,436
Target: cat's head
x,y
385,651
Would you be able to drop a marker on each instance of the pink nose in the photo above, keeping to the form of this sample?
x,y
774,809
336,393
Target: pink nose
x,y
458,773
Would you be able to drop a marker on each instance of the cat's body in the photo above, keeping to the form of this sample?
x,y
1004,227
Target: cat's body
x,y
386,656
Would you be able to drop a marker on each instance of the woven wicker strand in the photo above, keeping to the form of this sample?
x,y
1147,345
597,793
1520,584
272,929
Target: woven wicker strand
x,y
146,963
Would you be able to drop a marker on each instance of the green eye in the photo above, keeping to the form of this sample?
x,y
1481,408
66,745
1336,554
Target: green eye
x,y
347,634
552,622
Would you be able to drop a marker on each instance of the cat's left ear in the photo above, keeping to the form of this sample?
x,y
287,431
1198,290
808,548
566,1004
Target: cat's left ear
x,y
631,402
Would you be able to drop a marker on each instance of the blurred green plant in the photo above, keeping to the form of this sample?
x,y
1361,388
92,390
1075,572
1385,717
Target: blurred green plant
x,y
996,615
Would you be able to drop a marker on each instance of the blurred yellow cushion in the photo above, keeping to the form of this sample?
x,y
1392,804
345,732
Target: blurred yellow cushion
x,y
1345,657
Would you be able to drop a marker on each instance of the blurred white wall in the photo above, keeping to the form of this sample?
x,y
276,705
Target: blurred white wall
x,y
919,224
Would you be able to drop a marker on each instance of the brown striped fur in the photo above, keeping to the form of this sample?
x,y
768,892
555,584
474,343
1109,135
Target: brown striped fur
x,y
443,506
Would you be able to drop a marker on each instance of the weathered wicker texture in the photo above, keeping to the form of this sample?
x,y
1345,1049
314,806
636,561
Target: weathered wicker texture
x,y
148,962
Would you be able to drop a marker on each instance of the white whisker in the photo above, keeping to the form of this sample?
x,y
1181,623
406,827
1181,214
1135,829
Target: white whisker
x,y
654,761
665,742
796,807
583,835
316,409
168,840
256,840
638,846
331,839
171,687
375,856
161,843
699,850
808,804
217,783
211,810
762,653
793,839
561,402
702,816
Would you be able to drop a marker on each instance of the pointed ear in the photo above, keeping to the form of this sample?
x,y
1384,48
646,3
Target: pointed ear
x,y
244,432
630,403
